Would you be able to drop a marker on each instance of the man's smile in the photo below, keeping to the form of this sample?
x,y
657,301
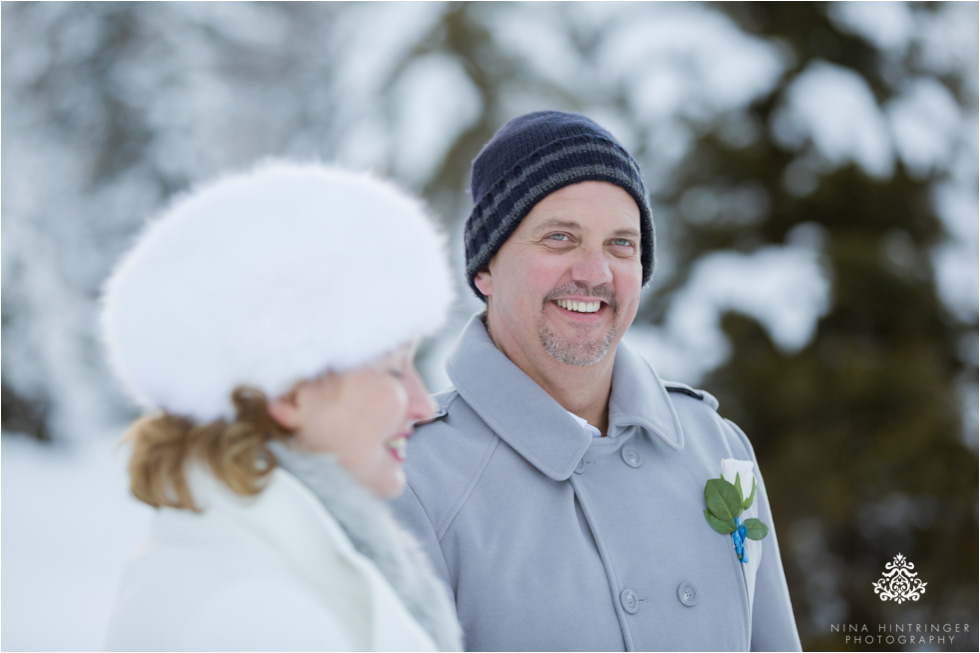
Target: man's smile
x,y
579,307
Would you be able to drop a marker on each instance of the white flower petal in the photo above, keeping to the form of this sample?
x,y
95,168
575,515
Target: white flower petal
x,y
732,466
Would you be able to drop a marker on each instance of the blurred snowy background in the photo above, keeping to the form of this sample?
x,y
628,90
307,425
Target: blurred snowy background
x,y
814,176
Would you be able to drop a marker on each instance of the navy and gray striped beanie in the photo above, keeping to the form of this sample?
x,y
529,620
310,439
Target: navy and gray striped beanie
x,y
531,157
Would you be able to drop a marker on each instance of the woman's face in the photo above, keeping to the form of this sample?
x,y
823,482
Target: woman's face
x,y
363,416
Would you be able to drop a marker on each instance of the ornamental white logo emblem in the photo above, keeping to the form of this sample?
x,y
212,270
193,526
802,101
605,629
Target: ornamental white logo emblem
x,y
899,583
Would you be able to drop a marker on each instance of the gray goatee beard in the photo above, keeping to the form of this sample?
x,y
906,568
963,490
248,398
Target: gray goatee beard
x,y
575,353
581,354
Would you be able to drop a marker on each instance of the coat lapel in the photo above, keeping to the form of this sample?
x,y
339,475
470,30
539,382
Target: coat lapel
x,y
639,398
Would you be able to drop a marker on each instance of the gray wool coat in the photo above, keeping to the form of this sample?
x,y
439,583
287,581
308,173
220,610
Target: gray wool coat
x,y
553,540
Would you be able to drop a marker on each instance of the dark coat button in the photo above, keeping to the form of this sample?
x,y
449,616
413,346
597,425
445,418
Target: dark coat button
x,y
687,593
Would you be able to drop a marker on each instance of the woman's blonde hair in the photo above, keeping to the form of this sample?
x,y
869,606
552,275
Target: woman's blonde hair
x,y
236,453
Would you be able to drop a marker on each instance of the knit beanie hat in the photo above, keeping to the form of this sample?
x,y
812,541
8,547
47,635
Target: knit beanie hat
x,y
268,278
531,157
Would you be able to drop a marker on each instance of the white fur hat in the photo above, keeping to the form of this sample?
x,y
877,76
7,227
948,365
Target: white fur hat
x,y
268,278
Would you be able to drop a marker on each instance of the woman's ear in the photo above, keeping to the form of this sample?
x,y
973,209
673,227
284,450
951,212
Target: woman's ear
x,y
284,410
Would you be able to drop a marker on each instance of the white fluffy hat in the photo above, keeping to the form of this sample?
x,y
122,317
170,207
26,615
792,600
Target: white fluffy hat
x,y
267,278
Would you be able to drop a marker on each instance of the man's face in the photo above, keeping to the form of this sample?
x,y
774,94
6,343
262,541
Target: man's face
x,y
566,284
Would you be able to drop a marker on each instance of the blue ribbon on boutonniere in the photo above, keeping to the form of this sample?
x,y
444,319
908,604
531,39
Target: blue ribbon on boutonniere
x,y
738,540
725,502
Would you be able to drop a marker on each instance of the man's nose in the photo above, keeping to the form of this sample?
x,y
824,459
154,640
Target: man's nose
x,y
591,267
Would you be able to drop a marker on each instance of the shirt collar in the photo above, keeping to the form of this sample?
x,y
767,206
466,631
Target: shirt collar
x,y
534,424
584,423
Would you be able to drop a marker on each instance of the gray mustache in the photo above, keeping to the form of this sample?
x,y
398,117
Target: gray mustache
x,y
598,292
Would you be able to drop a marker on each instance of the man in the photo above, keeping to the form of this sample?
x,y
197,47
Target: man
x,y
560,491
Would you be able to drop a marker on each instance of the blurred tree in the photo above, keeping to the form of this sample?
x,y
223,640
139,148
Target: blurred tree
x,y
109,109
860,432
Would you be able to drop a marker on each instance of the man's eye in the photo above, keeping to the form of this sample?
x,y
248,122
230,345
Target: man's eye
x,y
559,240
622,242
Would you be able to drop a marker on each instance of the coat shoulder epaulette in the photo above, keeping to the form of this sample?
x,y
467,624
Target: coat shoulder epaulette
x,y
683,388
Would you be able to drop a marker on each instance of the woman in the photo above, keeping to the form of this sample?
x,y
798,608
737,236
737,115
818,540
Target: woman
x,y
269,320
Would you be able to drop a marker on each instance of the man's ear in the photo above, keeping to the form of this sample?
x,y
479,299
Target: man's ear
x,y
284,410
484,281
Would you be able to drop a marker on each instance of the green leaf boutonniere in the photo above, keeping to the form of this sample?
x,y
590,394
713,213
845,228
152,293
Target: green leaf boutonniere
x,y
726,501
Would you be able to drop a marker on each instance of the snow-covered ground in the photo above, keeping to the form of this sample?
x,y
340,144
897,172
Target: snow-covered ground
x,y
69,524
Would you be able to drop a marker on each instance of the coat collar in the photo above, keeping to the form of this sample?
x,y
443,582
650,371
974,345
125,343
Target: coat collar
x,y
534,424
285,515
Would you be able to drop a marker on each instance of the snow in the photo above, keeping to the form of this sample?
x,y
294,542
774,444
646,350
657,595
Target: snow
x,y
549,52
948,39
785,288
438,102
69,525
834,108
686,59
888,25
372,40
956,258
925,122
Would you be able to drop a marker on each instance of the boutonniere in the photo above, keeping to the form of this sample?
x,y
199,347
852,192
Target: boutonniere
x,y
726,501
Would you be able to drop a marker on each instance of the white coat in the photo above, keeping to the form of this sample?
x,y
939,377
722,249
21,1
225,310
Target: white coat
x,y
272,572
